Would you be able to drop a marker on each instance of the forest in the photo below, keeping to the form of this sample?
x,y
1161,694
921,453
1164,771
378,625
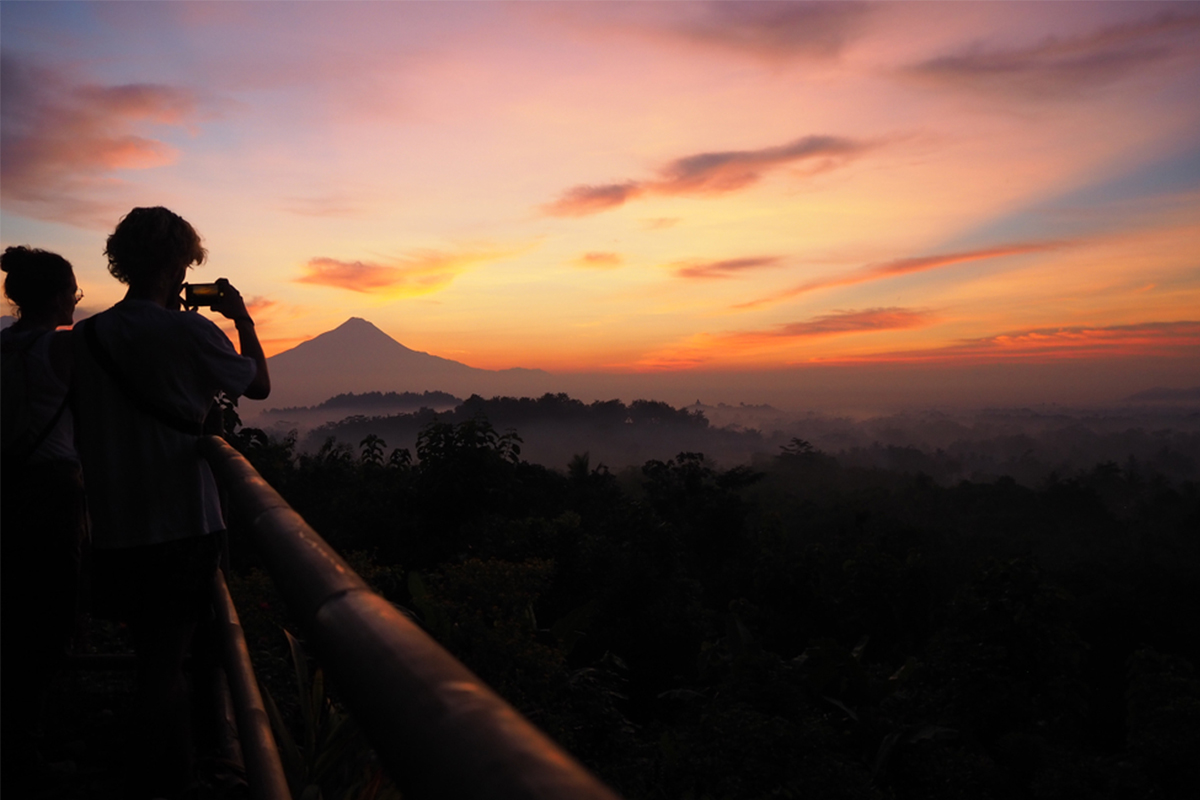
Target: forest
x,y
801,625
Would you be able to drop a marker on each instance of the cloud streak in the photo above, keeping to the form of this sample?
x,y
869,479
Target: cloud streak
x,y
712,173
842,322
600,260
418,273
1148,339
726,268
62,143
902,266
1057,67
776,30
771,30
707,348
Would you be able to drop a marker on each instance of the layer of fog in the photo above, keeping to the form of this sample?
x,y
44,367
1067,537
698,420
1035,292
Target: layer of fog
x,y
1029,444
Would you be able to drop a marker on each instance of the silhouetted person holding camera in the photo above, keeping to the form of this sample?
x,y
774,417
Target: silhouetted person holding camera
x,y
44,519
146,376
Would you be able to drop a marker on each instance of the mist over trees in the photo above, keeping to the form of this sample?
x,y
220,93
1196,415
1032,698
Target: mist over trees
x,y
1030,445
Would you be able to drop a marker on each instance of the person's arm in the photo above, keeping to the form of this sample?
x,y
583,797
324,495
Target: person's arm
x,y
231,305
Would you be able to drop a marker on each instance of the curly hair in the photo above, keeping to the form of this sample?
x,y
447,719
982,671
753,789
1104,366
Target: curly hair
x,y
150,243
36,278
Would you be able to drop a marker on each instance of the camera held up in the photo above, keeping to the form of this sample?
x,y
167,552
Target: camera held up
x,y
200,294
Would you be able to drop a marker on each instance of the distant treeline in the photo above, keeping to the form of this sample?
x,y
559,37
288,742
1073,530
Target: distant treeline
x,y
513,411
1031,447
554,426
351,400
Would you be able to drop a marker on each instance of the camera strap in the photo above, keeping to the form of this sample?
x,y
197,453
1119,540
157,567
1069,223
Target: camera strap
x,y
106,362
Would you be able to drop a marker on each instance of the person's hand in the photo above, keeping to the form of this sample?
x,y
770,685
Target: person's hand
x,y
230,303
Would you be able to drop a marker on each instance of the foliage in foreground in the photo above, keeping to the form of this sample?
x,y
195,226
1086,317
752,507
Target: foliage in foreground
x,y
794,628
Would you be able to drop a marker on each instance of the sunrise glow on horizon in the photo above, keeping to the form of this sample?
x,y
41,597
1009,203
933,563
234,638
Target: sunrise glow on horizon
x,y
639,186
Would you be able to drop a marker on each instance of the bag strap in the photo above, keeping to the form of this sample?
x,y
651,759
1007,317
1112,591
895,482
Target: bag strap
x,y
168,418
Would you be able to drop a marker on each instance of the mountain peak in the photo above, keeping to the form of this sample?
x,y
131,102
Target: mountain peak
x,y
355,330
357,356
357,322
357,325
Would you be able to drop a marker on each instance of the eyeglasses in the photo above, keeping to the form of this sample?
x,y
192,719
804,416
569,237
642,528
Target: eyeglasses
x,y
78,295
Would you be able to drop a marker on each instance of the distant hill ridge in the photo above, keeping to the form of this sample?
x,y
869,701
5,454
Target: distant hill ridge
x,y
372,400
356,357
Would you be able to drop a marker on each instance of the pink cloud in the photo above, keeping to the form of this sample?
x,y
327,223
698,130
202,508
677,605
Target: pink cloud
x,y
61,142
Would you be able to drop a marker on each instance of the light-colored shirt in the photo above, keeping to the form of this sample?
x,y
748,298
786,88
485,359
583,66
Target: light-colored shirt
x,y
146,483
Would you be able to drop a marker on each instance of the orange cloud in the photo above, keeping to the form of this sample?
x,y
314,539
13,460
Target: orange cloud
x,y
1058,67
258,304
61,140
902,266
840,322
421,272
671,362
706,348
707,173
726,268
1147,339
600,260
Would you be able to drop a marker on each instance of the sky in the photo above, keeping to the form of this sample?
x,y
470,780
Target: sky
x,y
659,188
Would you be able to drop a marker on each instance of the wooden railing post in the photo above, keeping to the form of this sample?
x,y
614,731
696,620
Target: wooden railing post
x,y
264,770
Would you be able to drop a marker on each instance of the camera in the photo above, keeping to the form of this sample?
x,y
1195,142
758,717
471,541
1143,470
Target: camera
x,y
200,294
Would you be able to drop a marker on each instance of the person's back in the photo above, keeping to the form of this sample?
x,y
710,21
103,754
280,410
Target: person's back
x,y
43,520
146,375
152,486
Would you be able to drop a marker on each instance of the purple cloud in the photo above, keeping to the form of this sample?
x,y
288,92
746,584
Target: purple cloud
x,y
708,173
61,141
1056,67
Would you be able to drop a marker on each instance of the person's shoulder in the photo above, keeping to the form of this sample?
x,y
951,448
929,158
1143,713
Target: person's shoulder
x,y
10,341
19,338
202,332
199,324
147,314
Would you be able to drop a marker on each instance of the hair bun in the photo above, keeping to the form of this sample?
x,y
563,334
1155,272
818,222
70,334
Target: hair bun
x,y
15,257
